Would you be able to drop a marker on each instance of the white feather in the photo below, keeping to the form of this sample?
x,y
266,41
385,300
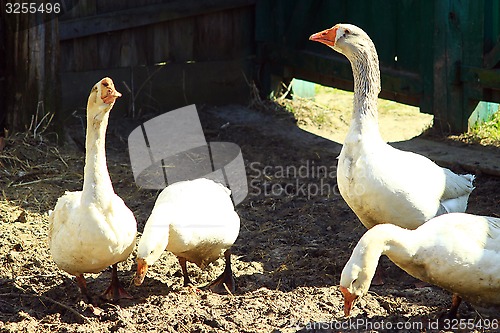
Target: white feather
x,y
458,252
192,219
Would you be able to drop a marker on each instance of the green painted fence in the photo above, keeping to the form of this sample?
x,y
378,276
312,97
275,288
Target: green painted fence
x,y
443,55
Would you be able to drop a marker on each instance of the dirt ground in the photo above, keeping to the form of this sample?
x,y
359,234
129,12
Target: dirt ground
x,y
329,115
296,235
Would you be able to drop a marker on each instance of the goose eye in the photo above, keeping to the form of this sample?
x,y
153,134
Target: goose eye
x,y
346,32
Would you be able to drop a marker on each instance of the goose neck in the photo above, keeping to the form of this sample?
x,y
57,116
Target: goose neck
x,y
366,74
397,243
96,184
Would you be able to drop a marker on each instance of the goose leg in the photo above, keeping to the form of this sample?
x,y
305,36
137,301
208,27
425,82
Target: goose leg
x,y
115,290
455,303
80,280
226,278
182,262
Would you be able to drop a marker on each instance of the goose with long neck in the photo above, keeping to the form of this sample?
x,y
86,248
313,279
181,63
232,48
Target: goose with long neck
x,y
96,180
382,184
458,252
92,229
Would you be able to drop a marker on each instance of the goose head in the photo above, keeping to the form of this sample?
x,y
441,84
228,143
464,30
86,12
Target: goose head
x,y
142,269
353,285
146,256
102,97
344,38
153,242
358,273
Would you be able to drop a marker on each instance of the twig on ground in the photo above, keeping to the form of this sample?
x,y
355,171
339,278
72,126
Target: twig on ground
x,y
36,181
58,154
227,289
45,298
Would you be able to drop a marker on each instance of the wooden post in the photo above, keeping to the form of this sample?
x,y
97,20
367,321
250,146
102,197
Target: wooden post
x,y
3,83
32,71
458,37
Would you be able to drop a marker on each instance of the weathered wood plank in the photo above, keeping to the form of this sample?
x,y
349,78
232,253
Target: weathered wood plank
x,y
180,36
85,49
3,84
448,46
222,82
137,17
223,35
485,78
472,55
32,72
299,23
492,57
161,43
425,60
218,35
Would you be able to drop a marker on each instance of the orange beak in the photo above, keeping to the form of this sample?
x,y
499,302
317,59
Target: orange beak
x,y
348,300
108,92
142,268
326,37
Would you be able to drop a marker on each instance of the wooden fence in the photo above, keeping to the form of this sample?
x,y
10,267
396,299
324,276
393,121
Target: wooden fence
x,y
161,54
168,53
443,55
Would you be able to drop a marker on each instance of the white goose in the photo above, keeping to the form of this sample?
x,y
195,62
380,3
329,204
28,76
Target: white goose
x,y
382,184
92,229
196,221
458,252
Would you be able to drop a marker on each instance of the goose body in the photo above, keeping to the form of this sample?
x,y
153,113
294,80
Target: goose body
x,y
382,184
458,252
92,229
86,237
196,221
